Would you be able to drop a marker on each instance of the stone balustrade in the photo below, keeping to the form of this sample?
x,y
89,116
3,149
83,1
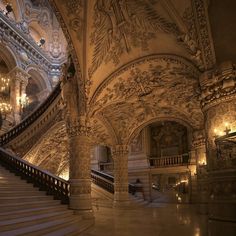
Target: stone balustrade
x,y
175,160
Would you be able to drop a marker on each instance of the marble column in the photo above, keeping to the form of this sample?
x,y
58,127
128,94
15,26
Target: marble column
x,y
120,157
200,179
18,82
80,170
218,101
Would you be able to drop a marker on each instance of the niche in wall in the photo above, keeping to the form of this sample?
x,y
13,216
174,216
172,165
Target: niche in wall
x,y
168,138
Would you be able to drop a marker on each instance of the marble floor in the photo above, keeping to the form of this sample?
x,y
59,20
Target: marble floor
x,y
152,220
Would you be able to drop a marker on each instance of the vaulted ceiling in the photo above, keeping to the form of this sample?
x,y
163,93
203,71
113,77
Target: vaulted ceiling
x,y
140,60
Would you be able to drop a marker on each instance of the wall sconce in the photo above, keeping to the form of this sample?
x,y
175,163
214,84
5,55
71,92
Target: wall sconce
x,y
227,129
41,42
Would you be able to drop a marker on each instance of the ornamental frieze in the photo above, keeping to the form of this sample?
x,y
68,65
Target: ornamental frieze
x,y
218,86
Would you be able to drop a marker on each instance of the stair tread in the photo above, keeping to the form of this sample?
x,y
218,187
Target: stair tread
x,y
33,228
58,208
28,211
31,218
26,203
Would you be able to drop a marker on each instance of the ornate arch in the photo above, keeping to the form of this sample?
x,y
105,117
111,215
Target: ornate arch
x,y
153,87
40,77
137,130
8,56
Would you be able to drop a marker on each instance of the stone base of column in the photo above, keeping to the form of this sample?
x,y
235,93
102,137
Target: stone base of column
x,y
121,200
80,198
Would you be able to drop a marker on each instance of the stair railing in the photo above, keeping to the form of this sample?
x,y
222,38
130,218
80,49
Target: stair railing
x,y
18,129
106,181
42,179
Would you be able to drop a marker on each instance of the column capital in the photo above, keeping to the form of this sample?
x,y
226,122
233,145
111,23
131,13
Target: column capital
x,y
120,150
19,74
79,127
218,85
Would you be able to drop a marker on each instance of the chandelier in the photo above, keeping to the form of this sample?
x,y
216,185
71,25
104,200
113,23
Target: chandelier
x,y
5,106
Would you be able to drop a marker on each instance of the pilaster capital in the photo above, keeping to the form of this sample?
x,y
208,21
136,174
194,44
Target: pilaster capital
x,y
120,150
218,85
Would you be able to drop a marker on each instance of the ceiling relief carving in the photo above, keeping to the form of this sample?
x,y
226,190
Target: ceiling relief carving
x,y
101,132
51,151
155,87
75,13
204,33
120,26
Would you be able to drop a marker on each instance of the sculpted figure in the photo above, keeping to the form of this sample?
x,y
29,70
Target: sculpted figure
x,y
69,89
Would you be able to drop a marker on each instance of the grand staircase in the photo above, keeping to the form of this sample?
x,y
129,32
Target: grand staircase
x,y
24,210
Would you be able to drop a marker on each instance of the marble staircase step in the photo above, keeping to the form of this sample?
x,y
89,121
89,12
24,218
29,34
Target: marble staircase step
x,y
24,210
12,214
38,229
25,205
21,199
31,220
67,222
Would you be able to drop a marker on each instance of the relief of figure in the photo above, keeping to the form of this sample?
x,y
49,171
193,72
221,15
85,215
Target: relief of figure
x,y
55,46
69,89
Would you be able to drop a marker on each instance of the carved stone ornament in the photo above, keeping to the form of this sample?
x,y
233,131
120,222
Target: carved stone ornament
x,y
149,88
218,85
121,26
79,127
204,33
198,138
120,157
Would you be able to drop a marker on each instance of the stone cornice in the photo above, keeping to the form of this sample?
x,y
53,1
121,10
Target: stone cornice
x,y
218,86
11,31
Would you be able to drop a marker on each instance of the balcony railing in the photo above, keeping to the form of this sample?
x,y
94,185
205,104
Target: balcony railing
x,y
42,179
106,167
13,32
107,181
168,161
18,129
226,152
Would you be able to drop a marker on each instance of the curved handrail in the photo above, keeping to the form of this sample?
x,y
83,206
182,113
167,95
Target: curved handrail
x,y
106,181
46,181
18,129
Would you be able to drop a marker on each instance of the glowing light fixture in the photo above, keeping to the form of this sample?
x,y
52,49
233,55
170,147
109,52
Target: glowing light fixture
x,y
5,106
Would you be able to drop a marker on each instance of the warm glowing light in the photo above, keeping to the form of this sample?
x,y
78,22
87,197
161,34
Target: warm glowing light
x,y
215,131
221,133
226,124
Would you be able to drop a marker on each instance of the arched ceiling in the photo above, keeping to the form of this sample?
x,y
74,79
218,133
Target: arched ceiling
x,y
138,60
107,35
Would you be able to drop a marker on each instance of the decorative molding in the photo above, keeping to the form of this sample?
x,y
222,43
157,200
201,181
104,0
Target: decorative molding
x,y
68,37
204,33
186,65
79,127
218,86
120,26
26,48
74,13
